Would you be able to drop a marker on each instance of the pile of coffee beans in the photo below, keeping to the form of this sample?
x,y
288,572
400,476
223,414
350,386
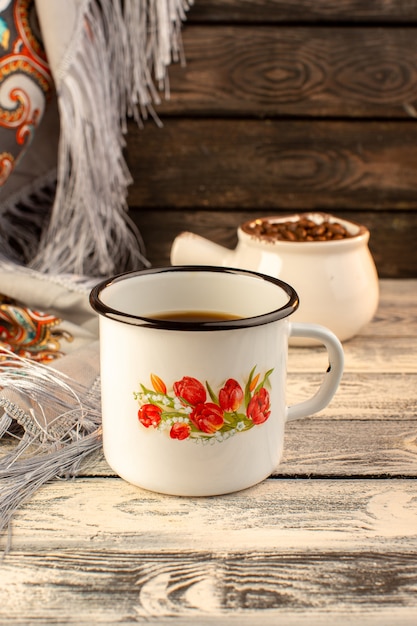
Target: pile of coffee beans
x,y
301,229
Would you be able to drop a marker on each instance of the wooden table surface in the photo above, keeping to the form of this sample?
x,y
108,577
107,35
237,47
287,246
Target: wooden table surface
x,y
330,538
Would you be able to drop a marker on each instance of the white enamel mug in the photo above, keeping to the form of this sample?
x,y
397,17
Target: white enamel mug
x,y
198,408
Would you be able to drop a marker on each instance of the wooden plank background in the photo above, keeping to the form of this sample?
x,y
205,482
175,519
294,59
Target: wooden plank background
x,y
284,107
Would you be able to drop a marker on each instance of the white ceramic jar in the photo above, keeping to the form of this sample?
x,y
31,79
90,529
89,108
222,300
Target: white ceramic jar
x,y
337,281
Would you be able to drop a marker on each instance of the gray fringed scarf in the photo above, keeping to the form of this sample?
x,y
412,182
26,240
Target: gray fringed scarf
x,y
109,60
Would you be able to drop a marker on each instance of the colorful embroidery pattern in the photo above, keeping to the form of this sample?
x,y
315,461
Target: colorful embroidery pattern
x,y
28,333
25,79
186,413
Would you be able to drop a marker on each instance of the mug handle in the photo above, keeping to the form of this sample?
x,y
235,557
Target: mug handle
x,y
332,376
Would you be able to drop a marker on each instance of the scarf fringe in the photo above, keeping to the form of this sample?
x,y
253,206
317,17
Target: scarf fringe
x,y
56,422
23,217
118,70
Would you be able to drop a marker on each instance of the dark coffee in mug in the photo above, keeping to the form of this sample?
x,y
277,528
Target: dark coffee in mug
x,y
194,316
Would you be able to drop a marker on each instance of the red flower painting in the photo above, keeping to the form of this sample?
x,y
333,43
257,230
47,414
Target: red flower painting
x,y
208,417
190,391
194,411
231,395
149,415
259,407
180,431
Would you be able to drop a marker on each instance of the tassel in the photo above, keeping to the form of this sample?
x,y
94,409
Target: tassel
x,y
23,216
118,55
56,422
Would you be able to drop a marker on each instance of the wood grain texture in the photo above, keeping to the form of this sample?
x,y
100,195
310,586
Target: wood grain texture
x,y
277,11
295,71
76,586
274,165
290,515
131,555
392,242
322,447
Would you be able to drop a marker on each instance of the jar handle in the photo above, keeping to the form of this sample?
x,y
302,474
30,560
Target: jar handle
x,y
332,376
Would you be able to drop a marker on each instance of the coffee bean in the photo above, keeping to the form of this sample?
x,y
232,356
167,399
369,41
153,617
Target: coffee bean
x,y
289,235
318,230
301,229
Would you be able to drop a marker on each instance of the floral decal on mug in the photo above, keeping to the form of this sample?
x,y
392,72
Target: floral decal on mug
x,y
192,410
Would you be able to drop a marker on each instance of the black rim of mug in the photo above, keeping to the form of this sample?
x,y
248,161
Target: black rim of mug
x,y
245,322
